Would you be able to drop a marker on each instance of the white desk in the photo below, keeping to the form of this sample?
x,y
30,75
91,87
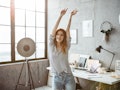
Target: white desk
x,y
102,78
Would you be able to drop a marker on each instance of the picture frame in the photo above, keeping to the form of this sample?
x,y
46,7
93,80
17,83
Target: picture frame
x,y
87,28
74,36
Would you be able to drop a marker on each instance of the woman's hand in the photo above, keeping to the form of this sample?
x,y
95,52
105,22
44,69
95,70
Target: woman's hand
x,y
63,12
74,12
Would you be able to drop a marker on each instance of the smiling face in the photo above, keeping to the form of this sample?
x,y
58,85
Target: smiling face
x,y
59,36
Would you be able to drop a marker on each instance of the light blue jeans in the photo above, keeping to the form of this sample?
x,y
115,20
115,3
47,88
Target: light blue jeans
x,y
63,81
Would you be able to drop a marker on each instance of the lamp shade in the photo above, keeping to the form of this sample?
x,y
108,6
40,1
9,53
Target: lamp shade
x,y
98,49
26,47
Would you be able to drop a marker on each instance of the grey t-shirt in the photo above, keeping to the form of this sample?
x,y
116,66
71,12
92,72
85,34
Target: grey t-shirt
x,y
58,60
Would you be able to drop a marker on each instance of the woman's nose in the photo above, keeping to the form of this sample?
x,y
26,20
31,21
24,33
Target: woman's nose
x,y
58,35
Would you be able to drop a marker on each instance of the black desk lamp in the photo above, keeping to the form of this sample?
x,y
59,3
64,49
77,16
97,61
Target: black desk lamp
x,y
98,49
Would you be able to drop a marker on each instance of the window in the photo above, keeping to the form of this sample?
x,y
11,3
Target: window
x,y
20,19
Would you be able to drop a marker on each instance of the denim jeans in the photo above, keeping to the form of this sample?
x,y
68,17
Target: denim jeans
x,y
63,81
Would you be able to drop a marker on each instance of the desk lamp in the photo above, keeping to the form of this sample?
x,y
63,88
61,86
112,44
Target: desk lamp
x,y
98,49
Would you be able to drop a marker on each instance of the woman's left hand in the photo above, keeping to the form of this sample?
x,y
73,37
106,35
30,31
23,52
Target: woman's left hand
x,y
74,12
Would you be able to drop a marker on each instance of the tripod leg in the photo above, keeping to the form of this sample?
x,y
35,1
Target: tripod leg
x,y
19,77
30,77
27,77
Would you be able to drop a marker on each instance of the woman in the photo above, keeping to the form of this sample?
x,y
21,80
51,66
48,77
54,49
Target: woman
x,y
59,46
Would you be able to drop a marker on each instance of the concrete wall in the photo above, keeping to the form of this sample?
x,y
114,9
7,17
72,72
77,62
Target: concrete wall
x,y
98,11
9,74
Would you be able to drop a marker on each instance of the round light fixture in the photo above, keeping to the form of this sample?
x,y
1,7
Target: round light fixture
x,y
26,47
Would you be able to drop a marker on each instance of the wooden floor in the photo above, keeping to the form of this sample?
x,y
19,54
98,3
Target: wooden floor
x,y
44,88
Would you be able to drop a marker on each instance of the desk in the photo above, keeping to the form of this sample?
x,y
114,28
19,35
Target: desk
x,y
101,78
105,81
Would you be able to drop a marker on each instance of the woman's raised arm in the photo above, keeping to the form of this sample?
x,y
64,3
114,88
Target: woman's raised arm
x,y
58,21
69,23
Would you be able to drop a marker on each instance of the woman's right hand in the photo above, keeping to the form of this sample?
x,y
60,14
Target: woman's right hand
x,y
63,12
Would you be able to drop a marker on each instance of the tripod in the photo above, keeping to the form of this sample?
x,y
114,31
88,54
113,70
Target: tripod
x,y
29,80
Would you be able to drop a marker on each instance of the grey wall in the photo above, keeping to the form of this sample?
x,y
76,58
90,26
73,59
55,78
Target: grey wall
x,y
9,74
96,10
